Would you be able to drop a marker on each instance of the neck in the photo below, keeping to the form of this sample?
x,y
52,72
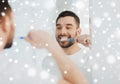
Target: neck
x,y
72,49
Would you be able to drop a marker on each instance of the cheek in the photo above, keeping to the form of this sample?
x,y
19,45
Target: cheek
x,y
57,33
74,33
12,31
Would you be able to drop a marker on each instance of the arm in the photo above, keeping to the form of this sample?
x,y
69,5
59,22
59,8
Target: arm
x,y
63,82
69,70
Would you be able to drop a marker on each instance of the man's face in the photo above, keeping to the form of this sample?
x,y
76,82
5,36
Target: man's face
x,y
66,27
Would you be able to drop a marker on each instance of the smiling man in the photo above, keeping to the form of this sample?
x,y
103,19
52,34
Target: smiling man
x,y
68,35
67,27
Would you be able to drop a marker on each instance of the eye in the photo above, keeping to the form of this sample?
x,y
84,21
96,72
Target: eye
x,y
68,27
59,28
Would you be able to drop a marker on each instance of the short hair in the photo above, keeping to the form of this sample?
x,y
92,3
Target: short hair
x,y
5,8
69,13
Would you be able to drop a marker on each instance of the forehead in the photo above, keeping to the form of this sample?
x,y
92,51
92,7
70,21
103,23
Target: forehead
x,y
66,20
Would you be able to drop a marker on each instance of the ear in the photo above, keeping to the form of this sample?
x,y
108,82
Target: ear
x,y
3,31
78,31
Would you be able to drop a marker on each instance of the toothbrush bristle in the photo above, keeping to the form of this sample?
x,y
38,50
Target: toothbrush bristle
x,y
71,40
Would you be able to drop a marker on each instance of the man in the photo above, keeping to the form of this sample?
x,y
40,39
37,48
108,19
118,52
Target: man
x,y
67,33
6,25
67,27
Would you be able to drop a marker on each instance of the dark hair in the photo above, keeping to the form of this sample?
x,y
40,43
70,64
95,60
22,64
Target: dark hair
x,y
4,7
69,13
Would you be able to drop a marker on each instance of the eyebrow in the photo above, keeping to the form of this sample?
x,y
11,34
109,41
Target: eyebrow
x,y
66,24
57,24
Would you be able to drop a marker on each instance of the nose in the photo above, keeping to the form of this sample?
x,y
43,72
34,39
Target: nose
x,y
63,31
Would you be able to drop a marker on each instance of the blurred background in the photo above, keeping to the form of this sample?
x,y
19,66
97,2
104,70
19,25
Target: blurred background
x,y
104,17
42,14
105,24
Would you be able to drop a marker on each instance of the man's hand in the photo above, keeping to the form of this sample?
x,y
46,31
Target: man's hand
x,y
38,38
85,40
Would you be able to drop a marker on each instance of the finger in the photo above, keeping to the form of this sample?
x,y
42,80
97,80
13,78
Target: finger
x,y
28,37
31,42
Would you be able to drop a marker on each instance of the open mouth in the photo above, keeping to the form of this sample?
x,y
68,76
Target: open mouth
x,y
62,39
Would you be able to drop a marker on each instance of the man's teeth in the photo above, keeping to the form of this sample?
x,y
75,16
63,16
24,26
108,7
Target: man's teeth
x,y
64,39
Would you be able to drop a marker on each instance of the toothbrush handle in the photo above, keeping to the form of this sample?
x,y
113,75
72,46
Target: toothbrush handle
x,y
22,37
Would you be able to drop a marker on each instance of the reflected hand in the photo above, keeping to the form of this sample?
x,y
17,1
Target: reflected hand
x,y
85,40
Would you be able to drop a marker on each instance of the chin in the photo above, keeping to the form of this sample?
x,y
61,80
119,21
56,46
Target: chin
x,y
66,46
